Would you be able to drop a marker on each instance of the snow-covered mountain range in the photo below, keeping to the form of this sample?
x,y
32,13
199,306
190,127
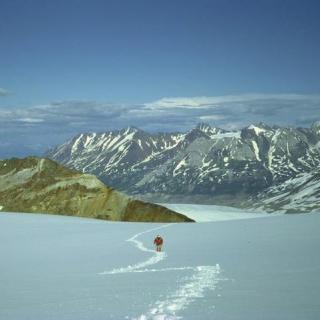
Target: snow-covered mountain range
x,y
204,164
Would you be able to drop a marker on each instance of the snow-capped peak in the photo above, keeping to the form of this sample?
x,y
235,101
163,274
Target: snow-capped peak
x,y
206,128
130,129
256,129
316,127
144,163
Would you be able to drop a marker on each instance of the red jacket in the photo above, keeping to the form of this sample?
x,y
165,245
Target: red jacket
x,y
158,241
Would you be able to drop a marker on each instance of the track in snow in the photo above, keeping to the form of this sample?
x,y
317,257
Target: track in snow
x,y
192,287
156,257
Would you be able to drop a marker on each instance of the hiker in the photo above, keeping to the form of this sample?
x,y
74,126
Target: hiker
x,y
158,241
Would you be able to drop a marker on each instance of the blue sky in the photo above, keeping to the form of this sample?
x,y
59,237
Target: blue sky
x,y
123,55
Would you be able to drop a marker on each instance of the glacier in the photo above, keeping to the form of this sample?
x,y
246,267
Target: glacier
x,y
55,267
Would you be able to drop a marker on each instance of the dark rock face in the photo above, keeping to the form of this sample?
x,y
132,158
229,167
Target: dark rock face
x,y
205,162
43,186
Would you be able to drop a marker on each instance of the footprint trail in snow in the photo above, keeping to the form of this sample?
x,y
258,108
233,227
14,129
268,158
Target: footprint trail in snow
x,y
157,256
192,287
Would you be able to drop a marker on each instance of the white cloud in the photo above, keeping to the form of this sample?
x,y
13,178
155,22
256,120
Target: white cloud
x,y
30,120
179,112
211,118
218,101
53,123
180,102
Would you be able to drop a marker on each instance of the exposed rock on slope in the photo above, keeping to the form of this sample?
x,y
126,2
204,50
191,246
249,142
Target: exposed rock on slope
x,y
205,163
41,185
299,194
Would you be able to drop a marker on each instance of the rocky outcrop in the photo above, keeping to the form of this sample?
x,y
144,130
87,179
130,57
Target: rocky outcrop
x,y
43,186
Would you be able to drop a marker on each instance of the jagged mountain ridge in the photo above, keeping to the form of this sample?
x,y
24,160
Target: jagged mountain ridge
x,y
43,186
204,161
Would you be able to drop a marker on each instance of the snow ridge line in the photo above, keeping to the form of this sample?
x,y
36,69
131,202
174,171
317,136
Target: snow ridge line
x,y
157,256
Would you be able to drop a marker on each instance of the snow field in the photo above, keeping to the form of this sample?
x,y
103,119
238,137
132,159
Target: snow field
x,y
67,268
155,258
193,287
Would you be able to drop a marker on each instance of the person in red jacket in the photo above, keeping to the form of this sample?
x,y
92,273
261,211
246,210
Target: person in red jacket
x,y
158,241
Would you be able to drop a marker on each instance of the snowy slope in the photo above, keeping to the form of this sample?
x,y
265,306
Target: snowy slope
x,y
70,268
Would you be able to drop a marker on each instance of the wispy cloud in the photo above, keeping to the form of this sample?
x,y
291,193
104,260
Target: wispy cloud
x,y
234,111
4,92
30,120
50,124
216,101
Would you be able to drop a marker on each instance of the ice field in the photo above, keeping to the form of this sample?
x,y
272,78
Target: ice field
x,y
55,267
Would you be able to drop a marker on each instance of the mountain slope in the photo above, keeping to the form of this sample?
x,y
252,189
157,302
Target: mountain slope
x,y
41,185
205,163
299,194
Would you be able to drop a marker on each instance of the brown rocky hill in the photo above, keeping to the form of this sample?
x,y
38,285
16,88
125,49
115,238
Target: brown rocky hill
x,y
42,186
